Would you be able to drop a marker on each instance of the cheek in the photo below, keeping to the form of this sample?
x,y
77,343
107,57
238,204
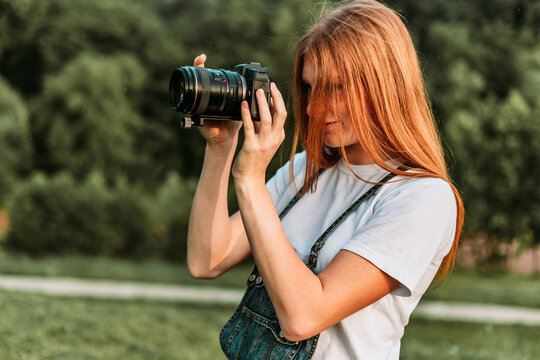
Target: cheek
x,y
342,109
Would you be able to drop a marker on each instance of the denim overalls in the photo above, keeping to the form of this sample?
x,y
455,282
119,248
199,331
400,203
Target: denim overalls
x,y
253,331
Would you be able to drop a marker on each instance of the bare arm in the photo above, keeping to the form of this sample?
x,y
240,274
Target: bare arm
x,y
305,303
215,241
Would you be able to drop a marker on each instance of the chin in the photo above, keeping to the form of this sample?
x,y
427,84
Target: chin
x,y
331,146
332,142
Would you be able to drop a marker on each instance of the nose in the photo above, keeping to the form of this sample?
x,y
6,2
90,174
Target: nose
x,y
308,106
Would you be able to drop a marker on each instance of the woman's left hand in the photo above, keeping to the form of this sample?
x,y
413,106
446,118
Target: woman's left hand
x,y
261,141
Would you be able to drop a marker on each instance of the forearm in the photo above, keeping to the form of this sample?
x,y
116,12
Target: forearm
x,y
209,232
292,286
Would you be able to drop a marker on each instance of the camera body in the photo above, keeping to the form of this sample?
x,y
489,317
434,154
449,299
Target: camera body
x,y
208,94
257,77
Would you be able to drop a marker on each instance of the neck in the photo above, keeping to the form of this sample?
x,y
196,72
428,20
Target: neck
x,y
357,156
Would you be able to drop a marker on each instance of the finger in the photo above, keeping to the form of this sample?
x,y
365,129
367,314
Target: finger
x,y
199,60
257,126
272,107
249,129
264,112
279,109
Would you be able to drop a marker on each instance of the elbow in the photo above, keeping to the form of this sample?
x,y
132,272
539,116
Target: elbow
x,y
201,272
298,328
198,268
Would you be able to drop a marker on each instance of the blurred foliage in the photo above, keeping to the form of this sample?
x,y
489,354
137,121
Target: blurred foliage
x,y
172,205
58,215
16,161
84,95
95,110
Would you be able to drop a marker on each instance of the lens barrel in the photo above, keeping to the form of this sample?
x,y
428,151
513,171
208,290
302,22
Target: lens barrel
x,y
197,90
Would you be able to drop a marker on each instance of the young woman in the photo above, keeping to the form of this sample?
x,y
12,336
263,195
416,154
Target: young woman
x,y
361,114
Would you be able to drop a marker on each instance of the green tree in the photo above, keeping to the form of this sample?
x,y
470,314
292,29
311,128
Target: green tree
x,y
39,38
85,120
15,148
500,142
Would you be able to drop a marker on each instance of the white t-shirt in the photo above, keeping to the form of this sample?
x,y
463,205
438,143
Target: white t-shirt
x,y
405,230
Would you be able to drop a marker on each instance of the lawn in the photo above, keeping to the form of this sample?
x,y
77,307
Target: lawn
x,y
427,340
42,327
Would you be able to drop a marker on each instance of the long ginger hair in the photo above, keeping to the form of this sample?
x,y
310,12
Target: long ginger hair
x,y
363,54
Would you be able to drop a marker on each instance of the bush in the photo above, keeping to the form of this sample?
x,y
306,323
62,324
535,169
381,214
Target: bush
x,y
54,216
57,215
173,205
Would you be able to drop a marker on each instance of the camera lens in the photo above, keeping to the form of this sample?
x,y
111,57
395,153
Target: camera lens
x,y
183,89
197,90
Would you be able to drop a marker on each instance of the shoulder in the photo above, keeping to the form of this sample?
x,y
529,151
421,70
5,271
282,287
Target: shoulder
x,y
424,193
424,205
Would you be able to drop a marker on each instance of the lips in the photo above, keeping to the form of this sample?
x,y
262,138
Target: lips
x,y
328,125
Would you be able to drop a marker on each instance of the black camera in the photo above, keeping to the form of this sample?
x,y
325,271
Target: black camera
x,y
209,94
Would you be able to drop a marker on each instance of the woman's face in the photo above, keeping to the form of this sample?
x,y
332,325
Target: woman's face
x,y
336,119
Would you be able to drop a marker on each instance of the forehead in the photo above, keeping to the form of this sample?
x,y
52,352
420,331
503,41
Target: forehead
x,y
308,71
329,75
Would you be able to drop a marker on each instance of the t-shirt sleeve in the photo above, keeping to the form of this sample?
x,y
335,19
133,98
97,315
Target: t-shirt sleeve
x,y
279,186
412,227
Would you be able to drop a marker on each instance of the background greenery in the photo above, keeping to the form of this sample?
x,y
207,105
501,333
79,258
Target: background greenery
x,y
94,166
92,160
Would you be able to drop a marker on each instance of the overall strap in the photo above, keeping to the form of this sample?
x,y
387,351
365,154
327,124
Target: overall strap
x,y
316,248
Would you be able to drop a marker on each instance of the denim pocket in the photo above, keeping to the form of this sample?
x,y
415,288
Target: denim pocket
x,y
271,325
229,331
249,335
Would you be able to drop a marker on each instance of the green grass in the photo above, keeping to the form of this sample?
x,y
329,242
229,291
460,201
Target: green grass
x,y
43,327
427,340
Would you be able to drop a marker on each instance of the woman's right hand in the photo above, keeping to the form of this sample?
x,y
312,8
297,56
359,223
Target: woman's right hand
x,y
218,132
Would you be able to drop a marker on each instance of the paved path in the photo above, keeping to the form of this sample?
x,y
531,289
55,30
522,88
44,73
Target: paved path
x,y
485,313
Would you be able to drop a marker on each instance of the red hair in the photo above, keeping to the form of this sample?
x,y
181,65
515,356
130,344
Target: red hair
x,y
363,54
